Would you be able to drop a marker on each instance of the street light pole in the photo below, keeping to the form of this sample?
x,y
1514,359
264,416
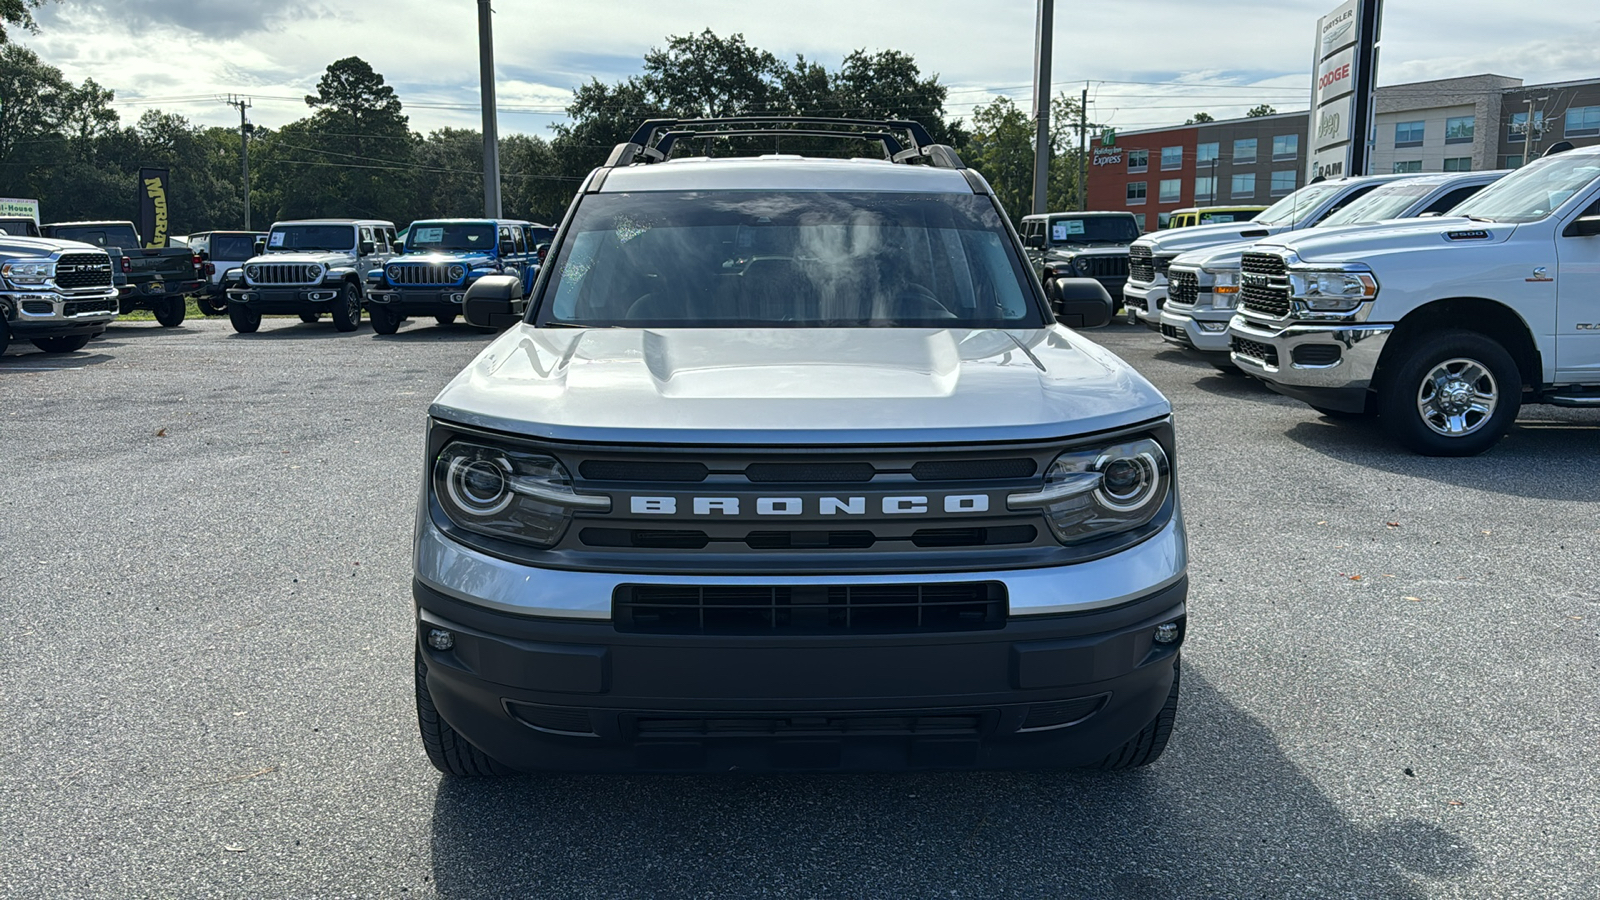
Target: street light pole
x,y
1041,105
491,131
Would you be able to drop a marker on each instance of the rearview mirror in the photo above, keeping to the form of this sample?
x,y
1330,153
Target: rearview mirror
x,y
1079,302
493,301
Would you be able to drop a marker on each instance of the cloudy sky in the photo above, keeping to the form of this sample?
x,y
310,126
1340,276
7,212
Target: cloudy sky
x,y
1147,62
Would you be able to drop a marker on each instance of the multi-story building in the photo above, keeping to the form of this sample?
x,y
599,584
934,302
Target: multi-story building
x,y
1447,125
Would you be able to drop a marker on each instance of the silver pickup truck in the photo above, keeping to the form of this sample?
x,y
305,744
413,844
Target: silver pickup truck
x,y
788,466
57,294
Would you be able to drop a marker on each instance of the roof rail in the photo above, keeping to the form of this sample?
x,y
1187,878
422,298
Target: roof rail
x,y
903,141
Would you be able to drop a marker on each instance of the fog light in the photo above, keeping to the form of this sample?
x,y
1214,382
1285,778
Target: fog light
x,y
439,639
1166,633
1213,327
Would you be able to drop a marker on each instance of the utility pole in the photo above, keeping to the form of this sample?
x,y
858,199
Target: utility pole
x,y
1083,149
245,128
1527,129
491,131
1041,105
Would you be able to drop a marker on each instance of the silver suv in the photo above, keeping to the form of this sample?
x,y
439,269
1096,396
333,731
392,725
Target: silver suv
x,y
789,467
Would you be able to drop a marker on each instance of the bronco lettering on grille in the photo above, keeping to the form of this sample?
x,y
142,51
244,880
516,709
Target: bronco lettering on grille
x,y
908,505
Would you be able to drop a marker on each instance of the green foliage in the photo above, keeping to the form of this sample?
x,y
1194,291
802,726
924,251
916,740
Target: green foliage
x,y
1001,147
1262,110
18,13
1200,118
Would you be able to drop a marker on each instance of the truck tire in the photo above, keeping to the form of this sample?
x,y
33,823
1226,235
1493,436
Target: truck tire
x,y
5,336
170,312
385,320
69,344
245,320
211,306
311,318
447,319
448,751
347,309
1453,394
1146,747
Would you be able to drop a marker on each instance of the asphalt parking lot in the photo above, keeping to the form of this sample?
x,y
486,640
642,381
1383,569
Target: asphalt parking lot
x,y
1391,685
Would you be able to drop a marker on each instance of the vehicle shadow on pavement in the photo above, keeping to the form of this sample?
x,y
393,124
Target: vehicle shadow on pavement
x,y
1183,360
1238,386
27,359
300,331
1223,814
428,331
1521,465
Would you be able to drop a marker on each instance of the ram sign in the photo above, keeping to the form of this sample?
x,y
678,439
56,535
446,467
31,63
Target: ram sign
x,y
1344,74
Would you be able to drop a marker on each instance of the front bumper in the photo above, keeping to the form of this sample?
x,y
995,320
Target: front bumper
x,y
53,314
1202,329
269,300
1146,301
1329,366
1054,691
419,301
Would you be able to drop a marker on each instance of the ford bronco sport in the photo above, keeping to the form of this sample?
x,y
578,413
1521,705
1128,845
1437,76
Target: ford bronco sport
x,y
787,466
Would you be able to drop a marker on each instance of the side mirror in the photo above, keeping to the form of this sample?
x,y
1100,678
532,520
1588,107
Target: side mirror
x,y
366,248
260,247
1034,242
543,250
399,246
507,248
492,302
1079,302
1585,226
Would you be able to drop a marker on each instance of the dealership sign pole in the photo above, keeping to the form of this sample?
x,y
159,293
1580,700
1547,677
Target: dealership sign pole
x,y
1344,68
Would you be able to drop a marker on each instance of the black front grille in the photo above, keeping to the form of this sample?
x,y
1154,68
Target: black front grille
x,y
83,270
624,470
974,469
1264,284
791,724
1183,288
809,473
81,307
37,307
1173,333
1102,266
283,273
809,609
412,274
1141,264
1263,263
802,539
1256,350
1061,713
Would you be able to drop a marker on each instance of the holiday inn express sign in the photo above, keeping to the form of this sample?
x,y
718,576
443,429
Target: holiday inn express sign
x,y
1344,75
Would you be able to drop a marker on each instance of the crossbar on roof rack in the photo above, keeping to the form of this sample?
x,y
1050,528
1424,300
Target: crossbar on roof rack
x,y
654,140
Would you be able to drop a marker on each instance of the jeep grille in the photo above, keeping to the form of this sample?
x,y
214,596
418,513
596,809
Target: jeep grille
x,y
283,273
421,274
1102,266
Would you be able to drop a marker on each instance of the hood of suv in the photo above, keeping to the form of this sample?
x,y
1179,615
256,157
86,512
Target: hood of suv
x,y
797,385
1182,240
1394,236
323,257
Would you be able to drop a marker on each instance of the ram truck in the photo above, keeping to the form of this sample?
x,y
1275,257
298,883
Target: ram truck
x,y
789,466
157,279
56,294
1442,327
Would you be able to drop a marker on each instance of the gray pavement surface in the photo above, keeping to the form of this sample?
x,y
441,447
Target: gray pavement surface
x,y
1390,686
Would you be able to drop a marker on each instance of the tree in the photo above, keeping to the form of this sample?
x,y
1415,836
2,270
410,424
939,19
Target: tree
x,y
1001,146
1259,111
704,76
1200,118
18,13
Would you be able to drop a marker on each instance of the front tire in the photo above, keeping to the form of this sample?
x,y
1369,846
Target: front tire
x,y
245,320
447,750
1147,746
5,337
1456,394
311,318
68,344
447,319
347,309
170,312
385,320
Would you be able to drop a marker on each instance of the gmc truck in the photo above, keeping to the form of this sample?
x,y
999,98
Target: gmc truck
x,y
57,294
788,466
1443,327
158,280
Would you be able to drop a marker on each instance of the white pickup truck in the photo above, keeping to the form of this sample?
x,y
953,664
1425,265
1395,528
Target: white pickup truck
x,y
1444,327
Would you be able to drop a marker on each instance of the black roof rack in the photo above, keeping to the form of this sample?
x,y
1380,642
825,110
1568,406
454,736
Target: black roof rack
x,y
903,141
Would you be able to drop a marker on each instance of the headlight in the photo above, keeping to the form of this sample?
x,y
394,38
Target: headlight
x,y
457,272
1332,291
28,271
1090,494
394,273
1224,287
253,272
510,494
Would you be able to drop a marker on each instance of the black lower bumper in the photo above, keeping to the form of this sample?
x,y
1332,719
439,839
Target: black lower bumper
x,y
56,328
287,301
1049,691
419,302
134,296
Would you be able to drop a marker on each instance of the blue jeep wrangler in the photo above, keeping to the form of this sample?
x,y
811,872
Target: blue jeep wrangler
x,y
440,259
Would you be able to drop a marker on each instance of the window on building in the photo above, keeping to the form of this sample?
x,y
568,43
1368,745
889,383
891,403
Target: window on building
x,y
1171,157
1458,129
1206,153
1286,146
1171,190
1407,165
1514,161
1244,185
1138,160
1205,188
1139,218
1583,121
1519,126
1458,164
1136,192
1283,182
1409,134
1244,150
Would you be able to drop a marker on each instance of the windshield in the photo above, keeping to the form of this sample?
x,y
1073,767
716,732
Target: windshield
x,y
743,259
1293,209
118,236
1094,230
1386,202
427,237
311,237
1533,191
540,234
232,246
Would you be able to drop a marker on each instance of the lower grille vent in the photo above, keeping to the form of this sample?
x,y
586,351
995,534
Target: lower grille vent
x,y
1060,714
809,609
782,724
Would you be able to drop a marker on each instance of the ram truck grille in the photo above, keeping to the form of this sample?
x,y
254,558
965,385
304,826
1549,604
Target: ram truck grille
x,y
1141,264
1264,284
76,271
